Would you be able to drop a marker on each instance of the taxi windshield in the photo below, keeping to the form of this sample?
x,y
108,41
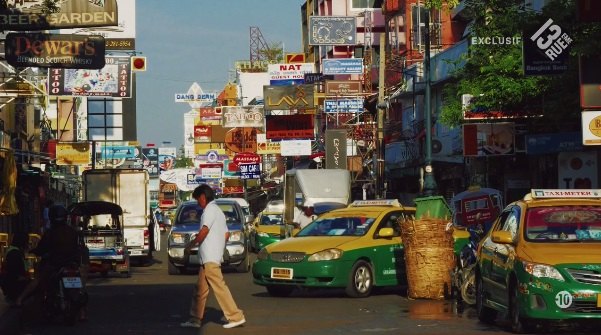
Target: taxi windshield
x,y
338,226
271,220
564,223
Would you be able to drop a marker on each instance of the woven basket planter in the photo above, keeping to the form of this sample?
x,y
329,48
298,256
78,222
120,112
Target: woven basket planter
x,y
429,257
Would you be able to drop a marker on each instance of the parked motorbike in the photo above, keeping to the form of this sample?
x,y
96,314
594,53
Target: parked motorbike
x,y
463,276
65,295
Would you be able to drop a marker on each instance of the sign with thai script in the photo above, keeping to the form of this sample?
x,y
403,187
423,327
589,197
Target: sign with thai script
x,y
54,50
343,66
288,97
289,74
113,80
202,134
343,106
242,116
27,15
332,30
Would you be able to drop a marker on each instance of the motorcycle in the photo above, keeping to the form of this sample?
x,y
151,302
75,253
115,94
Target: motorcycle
x,y
65,295
463,276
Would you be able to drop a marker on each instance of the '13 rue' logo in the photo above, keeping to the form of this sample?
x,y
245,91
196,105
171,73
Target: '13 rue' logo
x,y
554,43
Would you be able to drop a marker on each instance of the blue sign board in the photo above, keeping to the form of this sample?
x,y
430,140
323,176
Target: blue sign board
x,y
286,82
552,143
343,106
118,152
342,66
250,171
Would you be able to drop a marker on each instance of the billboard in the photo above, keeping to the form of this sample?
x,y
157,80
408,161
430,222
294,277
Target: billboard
x,y
332,30
288,97
71,153
27,16
243,116
289,126
113,80
488,139
342,66
289,74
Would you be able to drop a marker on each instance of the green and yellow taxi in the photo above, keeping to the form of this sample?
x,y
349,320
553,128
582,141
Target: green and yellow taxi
x,y
357,248
541,260
269,226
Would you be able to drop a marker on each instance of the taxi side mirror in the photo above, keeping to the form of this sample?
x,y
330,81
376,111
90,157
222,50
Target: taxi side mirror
x,y
386,232
502,237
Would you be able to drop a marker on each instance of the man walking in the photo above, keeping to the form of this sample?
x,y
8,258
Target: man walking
x,y
212,238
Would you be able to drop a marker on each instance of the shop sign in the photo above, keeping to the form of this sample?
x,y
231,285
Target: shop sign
x,y
73,153
488,139
577,170
241,140
332,30
297,126
242,116
55,50
343,106
296,148
546,49
233,189
113,80
250,171
202,134
266,148
289,74
540,144
591,128
209,113
26,15
342,66
336,149
247,158
288,97
344,87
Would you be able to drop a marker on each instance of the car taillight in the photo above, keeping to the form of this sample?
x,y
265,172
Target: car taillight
x,y
146,237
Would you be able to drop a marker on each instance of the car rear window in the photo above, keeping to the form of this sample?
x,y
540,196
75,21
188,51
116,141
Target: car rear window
x,y
564,223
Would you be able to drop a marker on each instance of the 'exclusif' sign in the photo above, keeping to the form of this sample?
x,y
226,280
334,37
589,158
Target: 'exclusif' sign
x,y
55,50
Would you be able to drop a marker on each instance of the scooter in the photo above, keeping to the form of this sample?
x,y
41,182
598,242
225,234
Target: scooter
x,y
65,295
463,276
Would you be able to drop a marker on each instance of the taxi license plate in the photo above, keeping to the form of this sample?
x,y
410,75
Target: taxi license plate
x,y
72,282
599,300
281,273
135,252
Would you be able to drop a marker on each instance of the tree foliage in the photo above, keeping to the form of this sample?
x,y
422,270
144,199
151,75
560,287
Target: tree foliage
x,y
493,73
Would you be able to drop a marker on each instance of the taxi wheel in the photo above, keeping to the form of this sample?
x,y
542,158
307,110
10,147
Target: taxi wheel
x,y
519,325
485,314
361,280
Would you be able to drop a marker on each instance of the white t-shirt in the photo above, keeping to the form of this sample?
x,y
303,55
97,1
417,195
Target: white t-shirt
x,y
211,249
303,220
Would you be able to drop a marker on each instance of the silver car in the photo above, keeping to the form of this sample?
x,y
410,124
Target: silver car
x,y
186,226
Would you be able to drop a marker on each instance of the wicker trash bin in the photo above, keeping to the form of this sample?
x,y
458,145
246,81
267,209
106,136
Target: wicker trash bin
x,y
429,257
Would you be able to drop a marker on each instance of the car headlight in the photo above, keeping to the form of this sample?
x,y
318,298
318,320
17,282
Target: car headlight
x,y
542,271
325,255
263,254
178,238
262,234
235,236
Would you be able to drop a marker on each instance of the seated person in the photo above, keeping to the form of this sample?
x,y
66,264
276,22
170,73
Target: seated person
x,y
191,216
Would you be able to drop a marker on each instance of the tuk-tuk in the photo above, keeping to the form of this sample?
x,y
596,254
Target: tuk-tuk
x,y
101,226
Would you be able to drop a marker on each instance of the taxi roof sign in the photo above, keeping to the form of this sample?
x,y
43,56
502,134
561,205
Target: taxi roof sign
x,y
381,202
565,193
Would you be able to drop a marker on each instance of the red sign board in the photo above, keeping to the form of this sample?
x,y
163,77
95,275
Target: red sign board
x,y
299,126
247,158
295,58
233,189
202,134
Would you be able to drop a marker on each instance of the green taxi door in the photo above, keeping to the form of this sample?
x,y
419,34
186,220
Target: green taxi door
x,y
389,260
503,258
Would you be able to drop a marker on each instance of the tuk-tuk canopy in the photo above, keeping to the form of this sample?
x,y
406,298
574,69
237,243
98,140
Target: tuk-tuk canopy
x,y
91,208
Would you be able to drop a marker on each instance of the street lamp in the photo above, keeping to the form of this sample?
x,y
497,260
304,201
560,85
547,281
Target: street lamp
x,y
430,186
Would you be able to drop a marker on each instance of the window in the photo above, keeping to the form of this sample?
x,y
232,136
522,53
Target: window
x,y
105,120
364,4
512,223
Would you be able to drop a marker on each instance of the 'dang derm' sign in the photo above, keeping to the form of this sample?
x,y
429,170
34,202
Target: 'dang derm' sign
x,y
27,15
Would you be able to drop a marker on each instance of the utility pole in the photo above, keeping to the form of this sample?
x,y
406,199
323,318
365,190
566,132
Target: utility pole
x,y
381,113
430,187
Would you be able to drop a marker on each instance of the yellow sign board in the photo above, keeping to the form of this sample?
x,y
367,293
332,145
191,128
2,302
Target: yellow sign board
x,y
266,148
73,153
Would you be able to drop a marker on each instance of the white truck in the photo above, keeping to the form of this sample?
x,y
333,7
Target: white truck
x,y
129,189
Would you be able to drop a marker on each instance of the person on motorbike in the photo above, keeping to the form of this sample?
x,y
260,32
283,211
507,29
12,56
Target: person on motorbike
x,y
58,247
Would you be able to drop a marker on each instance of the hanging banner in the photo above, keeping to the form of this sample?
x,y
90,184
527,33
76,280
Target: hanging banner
x,y
113,80
27,15
336,149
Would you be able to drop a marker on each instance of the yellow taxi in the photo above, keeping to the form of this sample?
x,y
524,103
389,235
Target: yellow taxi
x,y
268,226
541,260
356,248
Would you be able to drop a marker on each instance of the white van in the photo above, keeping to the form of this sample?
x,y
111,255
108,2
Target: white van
x,y
245,207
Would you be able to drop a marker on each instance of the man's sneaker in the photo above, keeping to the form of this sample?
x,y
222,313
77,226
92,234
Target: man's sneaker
x,y
233,324
191,323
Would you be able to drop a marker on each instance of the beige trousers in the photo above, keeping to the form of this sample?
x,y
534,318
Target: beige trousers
x,y
210,276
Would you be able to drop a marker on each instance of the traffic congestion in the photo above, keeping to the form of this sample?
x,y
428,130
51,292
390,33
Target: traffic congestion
x,y
300,166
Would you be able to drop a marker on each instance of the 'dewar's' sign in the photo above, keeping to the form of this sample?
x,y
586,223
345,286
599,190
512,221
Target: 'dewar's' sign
x,y
55,50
